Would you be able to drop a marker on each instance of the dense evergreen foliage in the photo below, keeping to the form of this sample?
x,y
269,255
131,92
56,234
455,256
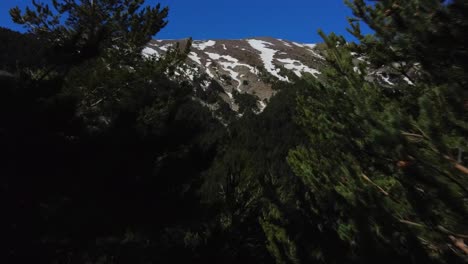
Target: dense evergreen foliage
x,y
19,51
107,159
102,153
385,164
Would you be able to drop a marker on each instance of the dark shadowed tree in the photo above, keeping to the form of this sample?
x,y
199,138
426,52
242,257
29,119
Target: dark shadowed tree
x,y
384,164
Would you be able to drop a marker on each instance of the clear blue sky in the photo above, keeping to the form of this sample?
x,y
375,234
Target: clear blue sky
x,y
296,20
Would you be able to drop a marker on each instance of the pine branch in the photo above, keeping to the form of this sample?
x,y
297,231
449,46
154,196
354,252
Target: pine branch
x,y
456,164
439,228
446,231
412,223
459,243
376,185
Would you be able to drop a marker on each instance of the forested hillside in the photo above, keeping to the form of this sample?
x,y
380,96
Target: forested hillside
x,y
108,157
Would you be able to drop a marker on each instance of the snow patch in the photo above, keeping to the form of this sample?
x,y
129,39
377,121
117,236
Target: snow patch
x,y
285,43
363,59
216,56
166,47
187,72
204,45
356,70
229,63
205,84
193,56
407,80
267,55
208,70
311,48
385,78
297,44
149,52
261,106
298,67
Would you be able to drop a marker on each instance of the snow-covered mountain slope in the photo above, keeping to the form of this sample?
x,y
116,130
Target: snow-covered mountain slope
x,y
226,68
244,66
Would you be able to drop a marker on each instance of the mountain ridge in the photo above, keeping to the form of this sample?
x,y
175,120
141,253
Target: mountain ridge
x,y
250,65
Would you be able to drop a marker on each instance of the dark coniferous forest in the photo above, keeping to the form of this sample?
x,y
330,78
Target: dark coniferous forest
x,y
106,159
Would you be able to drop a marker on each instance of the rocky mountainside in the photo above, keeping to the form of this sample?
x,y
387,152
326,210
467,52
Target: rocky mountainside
x,y
252,67
246,66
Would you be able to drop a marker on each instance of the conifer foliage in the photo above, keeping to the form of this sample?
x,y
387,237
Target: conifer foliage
x,y
80,30
384,164
101,151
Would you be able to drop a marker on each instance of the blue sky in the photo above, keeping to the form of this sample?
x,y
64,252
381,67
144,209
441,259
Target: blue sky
x,y
296,20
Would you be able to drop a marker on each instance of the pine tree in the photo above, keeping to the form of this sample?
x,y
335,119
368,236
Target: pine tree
x,y
79,30
382,165
101,144
94,48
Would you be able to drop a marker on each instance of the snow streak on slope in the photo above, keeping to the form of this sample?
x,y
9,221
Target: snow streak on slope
x,y
229,65
285,43
188,72
193,56
407,80
267,55
204,45
297,67
261,106
148,52
166,47
311,48
385,78
207,67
